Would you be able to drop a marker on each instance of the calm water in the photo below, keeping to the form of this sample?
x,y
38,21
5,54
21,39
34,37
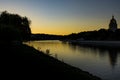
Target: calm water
x,y
101,62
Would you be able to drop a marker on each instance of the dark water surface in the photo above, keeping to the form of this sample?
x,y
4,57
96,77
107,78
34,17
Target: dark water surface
x,y
104,63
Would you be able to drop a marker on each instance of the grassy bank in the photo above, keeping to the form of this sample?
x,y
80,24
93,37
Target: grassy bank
x,y
22,61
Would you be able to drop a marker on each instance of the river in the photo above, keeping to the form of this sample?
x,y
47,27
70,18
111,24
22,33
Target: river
x,y
104,63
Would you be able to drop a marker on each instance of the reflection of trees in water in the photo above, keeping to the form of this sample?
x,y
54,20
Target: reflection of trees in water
x,y
86,49
73,47
113,57
112,52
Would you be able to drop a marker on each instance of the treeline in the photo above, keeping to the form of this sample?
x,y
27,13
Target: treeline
x,y
46,37
102,34
13,27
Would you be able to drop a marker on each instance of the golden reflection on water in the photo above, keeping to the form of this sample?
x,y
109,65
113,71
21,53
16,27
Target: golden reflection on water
x,y
97,61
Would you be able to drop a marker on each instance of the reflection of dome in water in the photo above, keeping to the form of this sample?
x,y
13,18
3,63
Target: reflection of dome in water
x,y
113,57
113,24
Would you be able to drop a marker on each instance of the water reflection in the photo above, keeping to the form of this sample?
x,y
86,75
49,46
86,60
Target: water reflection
x,y
113,57
102,51
101,61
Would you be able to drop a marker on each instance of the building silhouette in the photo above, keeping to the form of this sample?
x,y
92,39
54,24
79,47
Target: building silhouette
x,y
113,24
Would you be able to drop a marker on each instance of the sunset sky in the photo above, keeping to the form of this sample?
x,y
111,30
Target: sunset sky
x,y
63,17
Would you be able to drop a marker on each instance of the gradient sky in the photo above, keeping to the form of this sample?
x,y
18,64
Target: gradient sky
x,y
64,16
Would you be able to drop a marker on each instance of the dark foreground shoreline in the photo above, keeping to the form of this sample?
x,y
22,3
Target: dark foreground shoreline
x,y
25,62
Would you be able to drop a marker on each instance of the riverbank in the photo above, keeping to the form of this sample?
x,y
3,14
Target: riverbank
x,y
24,61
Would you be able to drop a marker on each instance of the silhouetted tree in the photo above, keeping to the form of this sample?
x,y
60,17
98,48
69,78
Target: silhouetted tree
x,y
14,27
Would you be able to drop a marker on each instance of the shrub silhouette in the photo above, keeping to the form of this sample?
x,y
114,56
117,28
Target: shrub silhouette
x,y
14,27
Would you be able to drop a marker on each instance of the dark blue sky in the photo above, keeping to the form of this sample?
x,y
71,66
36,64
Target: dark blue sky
x,y
64,16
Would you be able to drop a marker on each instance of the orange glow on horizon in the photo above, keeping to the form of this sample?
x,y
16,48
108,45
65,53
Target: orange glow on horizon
x,y
63,31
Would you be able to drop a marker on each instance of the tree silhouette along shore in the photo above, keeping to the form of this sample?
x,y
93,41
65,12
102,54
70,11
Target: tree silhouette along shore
x,y
13,27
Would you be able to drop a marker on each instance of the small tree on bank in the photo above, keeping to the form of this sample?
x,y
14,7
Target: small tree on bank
x,y
13,27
